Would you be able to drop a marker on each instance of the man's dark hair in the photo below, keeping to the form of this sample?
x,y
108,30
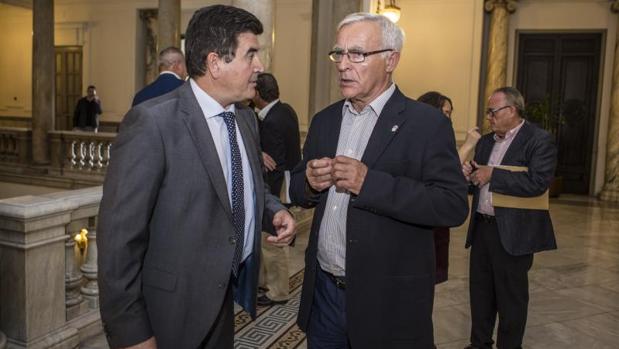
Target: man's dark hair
x,y
216,29
266,86
435,99
91,86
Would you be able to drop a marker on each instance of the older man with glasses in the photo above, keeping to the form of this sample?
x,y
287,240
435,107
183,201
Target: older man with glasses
x,y
519,161
381,170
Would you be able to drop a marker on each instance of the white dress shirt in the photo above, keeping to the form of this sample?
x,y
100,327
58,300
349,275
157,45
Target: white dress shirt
x,y
211,110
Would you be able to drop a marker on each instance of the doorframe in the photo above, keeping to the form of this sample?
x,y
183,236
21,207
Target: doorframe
x,y
598,115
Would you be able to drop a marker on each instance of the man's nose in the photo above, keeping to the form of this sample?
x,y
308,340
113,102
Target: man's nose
x,y
344,64
258,67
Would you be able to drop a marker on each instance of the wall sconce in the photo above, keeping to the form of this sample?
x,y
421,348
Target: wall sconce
x,y
391,10
81,240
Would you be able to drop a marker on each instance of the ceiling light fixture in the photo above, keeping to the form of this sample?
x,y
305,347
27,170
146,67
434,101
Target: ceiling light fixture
x,y
391,10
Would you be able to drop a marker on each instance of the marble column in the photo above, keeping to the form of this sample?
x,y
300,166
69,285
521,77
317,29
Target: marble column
x,y
611,184
326,15
43,79
265,11
149,20
169,24
497,47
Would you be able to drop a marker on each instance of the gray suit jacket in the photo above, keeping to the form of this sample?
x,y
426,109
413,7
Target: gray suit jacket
x,y
165,225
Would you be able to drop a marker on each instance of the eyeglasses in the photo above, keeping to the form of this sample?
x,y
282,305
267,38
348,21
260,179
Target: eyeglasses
x,y
492,112
353,56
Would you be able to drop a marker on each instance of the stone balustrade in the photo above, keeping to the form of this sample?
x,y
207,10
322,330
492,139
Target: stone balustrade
x,y
48,292
15,145
81,152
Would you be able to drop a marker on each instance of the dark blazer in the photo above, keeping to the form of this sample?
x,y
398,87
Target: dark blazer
x,y
86,113
162,85
521,231
414,182
279,136
165,225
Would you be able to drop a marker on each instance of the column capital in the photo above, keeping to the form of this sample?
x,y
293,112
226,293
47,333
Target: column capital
x,y
510,5
614,6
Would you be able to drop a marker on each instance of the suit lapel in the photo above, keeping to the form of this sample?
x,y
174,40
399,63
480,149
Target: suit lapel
x,y
389,121
521,138
201,135
333,132
485,150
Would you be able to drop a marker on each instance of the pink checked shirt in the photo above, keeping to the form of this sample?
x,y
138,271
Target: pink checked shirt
x,y
496,157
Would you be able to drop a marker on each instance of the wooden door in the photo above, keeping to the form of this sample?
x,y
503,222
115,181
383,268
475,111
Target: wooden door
x,y
558,74
68,84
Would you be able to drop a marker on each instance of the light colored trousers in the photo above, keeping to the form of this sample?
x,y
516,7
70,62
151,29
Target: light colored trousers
x,y
274,270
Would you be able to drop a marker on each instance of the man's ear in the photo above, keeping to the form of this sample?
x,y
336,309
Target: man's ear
x,y
213,63
392,61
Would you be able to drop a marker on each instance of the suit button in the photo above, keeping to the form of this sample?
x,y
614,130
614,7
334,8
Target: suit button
x,y
221,285
353,199
232,240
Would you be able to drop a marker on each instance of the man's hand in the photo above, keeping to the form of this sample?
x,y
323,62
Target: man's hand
x,y
472,137
349,173
481,176
467,169
285,227
269,163
147,344
318,173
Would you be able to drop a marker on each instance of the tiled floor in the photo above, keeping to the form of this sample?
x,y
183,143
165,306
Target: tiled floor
x,y
574,290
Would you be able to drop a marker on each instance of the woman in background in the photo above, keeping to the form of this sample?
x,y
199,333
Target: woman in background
x,y
441,234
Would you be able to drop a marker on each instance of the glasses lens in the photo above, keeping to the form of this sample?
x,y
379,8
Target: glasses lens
x,y
356,57
335,56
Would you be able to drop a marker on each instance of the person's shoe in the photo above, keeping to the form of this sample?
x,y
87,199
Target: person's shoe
x,y
471,346
262,290
265,301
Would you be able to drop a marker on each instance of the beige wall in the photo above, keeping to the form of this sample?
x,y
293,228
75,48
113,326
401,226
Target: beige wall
x,y
573,15
291,54
15,61
442,52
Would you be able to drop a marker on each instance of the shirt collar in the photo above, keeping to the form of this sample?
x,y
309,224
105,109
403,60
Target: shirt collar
x,y
509,134
264,111
210,107
170,72
377,104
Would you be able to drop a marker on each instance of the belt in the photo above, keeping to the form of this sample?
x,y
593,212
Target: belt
x,y
339,281
485,218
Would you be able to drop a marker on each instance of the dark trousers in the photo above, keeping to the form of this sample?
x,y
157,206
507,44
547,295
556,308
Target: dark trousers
x,y
327,323
221,335
441,251
498,284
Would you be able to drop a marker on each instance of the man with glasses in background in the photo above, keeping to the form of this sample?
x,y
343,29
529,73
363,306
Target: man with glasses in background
x,y
505,236
381,171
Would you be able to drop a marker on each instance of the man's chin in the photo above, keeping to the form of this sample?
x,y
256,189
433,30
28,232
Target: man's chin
x,y
347,93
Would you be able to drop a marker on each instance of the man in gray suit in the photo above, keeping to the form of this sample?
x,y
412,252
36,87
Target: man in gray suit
x,y
184,199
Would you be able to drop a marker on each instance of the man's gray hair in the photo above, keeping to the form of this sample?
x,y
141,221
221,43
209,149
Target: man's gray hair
x,y
512,97
170,56
393,36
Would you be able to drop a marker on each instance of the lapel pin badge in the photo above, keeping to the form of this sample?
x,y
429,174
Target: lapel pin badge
x,y
394,128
